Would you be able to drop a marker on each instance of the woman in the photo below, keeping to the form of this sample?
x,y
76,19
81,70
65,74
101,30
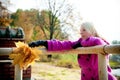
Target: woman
x,y
87,62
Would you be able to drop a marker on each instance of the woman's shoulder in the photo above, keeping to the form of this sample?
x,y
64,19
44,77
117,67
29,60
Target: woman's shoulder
x,y
95,38
99,40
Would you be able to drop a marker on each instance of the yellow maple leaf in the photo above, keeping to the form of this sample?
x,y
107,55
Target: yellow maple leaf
x,y
23,55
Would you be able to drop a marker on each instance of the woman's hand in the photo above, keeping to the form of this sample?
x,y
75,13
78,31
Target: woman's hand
x,y
38,43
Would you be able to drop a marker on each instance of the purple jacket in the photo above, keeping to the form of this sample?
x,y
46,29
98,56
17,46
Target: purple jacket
x,y
87,62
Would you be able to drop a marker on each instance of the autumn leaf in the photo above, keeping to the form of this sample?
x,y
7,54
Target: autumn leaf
x,y
23,55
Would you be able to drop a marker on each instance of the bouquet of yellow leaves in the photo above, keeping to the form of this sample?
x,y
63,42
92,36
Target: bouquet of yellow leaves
x,y
23,55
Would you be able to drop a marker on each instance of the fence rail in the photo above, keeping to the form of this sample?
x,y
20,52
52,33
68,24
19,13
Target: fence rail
x,y
109,49
100,50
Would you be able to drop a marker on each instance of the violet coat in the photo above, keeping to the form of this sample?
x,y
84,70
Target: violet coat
x,y
87,62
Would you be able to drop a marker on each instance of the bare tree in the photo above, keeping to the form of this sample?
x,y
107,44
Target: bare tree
x,y
59,12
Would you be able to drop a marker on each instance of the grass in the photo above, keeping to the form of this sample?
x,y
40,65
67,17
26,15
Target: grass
x,y
66,60
62,60
46,74
114,64
69,60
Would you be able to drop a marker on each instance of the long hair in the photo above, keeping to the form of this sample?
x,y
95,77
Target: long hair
x,y
89,27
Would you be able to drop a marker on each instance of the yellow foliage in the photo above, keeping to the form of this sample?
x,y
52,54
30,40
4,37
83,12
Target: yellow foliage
x,y
23,55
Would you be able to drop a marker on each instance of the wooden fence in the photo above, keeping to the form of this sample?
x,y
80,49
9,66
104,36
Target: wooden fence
x,y
101,50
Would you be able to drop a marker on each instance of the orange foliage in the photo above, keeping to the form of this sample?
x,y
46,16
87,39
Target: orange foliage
x,y
23,55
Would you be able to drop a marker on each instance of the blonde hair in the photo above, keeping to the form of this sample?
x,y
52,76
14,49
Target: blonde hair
x,y
89,27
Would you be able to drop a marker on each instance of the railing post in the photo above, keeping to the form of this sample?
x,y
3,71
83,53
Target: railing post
x,y
102,65
18,73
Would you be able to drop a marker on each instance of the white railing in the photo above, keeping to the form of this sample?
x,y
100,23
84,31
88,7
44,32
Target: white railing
x,y
101,50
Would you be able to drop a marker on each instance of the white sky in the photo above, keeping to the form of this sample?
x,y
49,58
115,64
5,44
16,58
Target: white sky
x,y
105,14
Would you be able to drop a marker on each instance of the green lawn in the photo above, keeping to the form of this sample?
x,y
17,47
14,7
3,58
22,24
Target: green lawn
x,y
114,64
66,60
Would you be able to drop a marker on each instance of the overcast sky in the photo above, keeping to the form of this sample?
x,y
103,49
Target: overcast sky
x,y
105,14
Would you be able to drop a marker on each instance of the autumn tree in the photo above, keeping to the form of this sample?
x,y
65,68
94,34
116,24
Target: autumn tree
x,y
50,30
25,19
50,20
33,24
54,18
57,12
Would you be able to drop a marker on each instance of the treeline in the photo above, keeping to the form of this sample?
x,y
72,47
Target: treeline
x,y
115,42
37,24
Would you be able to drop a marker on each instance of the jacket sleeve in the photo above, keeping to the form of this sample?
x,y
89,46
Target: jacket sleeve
x,y
56,45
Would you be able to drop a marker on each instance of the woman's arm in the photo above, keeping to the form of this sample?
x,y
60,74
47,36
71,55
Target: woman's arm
x,y
56,45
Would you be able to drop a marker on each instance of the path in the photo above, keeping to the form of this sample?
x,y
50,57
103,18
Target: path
x,y
45,71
